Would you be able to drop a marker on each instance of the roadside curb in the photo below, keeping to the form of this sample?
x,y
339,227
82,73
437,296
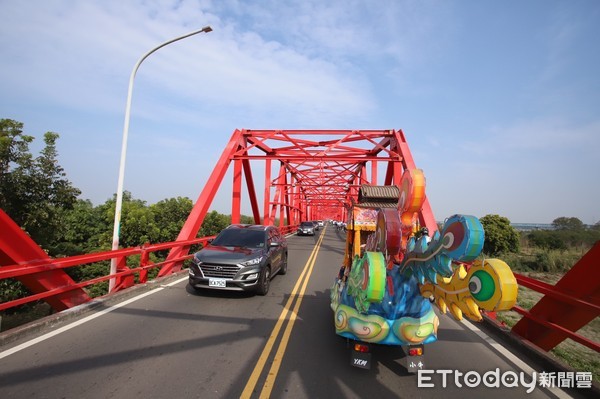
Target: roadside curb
x,y
548,362
56,320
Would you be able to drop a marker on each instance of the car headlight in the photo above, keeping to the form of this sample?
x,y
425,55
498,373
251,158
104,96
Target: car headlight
x,y
252,262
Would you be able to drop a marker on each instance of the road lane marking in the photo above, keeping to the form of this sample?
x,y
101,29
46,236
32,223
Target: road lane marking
x,y
272,374
77,323
262,360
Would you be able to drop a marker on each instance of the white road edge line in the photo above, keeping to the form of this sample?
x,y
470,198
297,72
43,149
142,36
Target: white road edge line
x,y
512,358
77,323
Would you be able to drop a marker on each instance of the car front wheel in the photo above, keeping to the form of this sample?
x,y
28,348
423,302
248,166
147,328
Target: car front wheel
x,y
265,281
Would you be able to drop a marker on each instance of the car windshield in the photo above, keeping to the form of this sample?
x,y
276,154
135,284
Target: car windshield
x,y
307,224
240,238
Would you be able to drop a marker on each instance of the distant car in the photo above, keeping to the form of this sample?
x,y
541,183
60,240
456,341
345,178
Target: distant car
x,y
320,223
306,229
316,224
240,258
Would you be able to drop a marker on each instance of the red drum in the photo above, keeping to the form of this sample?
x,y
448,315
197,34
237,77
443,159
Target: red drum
x,y
388,234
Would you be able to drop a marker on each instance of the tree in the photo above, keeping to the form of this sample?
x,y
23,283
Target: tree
x,y
568,223
170,215
546,239
83,229
244,219
500,236
15,164
137,226
213,223
33,191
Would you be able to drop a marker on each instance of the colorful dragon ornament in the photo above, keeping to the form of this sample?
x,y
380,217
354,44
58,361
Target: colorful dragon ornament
x,y
385,296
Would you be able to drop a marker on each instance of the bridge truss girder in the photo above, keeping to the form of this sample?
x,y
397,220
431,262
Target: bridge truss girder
x,y
318,174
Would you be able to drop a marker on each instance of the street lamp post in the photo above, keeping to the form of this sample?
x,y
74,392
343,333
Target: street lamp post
x,y
119,204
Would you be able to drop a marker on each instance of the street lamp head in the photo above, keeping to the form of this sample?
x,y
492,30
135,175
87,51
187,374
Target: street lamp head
x,y
207,29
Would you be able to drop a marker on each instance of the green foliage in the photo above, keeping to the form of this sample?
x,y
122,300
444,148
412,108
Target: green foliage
x,y
91,271
568,233
546,239
568,223
247,219
169,216
11,289
137,224
33,191
213,223
82,230
500,236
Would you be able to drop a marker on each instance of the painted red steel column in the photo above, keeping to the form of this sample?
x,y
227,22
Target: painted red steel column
x,y
267,195
17,248
288,204
374,173
281,188
236,199
251,191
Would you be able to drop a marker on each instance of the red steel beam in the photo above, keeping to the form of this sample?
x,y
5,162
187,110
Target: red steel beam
x,y
320,170
251,191
582,285
236,202
17,248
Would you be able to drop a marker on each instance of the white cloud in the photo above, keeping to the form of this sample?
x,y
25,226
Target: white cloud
x,y
310,64
88,50
543,134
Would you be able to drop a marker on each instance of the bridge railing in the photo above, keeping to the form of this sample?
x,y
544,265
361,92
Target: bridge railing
x,y
565,307
550,291
126,276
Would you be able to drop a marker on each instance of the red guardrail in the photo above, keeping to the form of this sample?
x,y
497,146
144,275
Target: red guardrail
x,y
126,277
551,292
570,304
567,306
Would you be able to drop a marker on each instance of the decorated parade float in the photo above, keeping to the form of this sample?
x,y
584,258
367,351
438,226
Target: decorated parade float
x,y
394,270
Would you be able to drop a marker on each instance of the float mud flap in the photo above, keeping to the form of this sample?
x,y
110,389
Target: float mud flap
x,y
361,358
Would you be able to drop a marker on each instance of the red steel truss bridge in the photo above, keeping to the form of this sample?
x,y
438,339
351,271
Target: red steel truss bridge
x,y
303,175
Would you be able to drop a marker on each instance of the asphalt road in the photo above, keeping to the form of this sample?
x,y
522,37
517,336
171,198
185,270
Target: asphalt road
x,y
171,342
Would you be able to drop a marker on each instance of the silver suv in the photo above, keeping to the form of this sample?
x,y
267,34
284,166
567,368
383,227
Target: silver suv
x,y
306,229
241,258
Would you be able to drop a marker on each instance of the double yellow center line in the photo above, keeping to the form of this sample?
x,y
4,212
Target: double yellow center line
x,y
297,293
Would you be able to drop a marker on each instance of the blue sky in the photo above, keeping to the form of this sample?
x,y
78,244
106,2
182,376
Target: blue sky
x,y
499,100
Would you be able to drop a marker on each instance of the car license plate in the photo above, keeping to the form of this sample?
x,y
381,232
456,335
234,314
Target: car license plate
x,y
217,282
